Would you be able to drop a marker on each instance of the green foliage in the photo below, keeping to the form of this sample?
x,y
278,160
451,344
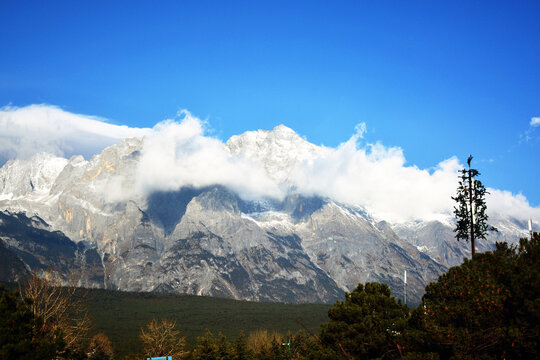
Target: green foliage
x,y
260,345
470,212
486,308
241,351
225,351
18,338
366,325
211,348
121,314
207,348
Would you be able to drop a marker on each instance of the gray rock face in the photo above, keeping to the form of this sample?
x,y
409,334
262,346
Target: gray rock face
x,y
208,241
437,240
214,250
28,244
351,248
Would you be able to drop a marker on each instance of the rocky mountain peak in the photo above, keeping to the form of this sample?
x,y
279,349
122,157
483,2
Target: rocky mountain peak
x,y
279,151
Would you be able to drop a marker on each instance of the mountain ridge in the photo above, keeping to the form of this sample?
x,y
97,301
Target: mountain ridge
x,y
211,240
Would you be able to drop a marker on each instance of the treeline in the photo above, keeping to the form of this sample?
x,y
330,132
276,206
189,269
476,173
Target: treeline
x,y
121,315
486,308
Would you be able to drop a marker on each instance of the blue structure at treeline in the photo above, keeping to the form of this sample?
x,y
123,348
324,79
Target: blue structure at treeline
x,y
160,358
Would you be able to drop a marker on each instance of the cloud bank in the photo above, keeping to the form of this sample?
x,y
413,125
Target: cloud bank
x,y
44,128
535,121
178,152
376,177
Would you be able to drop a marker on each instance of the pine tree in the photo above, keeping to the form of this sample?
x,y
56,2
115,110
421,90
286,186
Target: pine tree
x,y
206,349
470,213
367,325
224,348
241,351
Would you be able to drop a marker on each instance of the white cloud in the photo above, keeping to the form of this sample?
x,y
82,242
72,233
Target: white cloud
x,y
535,121
45,128
376,177
506,203
178,152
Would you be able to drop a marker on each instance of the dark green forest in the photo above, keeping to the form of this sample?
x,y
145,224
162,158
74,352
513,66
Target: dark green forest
x,y
121,315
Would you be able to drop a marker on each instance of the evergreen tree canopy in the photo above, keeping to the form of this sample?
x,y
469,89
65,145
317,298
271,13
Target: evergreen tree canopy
x,y
486,308
366,325
470,213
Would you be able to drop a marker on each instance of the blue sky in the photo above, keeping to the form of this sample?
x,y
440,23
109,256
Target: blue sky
x,y
437,79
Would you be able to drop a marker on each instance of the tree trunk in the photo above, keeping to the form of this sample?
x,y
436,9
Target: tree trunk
x,y
471,214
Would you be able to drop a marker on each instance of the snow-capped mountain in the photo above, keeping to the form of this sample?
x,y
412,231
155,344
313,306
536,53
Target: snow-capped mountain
x,y
209,240
278,151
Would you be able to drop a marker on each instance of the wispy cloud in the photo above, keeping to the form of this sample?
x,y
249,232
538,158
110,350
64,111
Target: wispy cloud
x,y
529,133
44,128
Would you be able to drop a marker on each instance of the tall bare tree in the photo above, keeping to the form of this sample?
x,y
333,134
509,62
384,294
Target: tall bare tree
x,y
59,307
100,348
160,338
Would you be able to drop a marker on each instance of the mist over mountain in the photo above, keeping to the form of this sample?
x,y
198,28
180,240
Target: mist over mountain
x,y
266,216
